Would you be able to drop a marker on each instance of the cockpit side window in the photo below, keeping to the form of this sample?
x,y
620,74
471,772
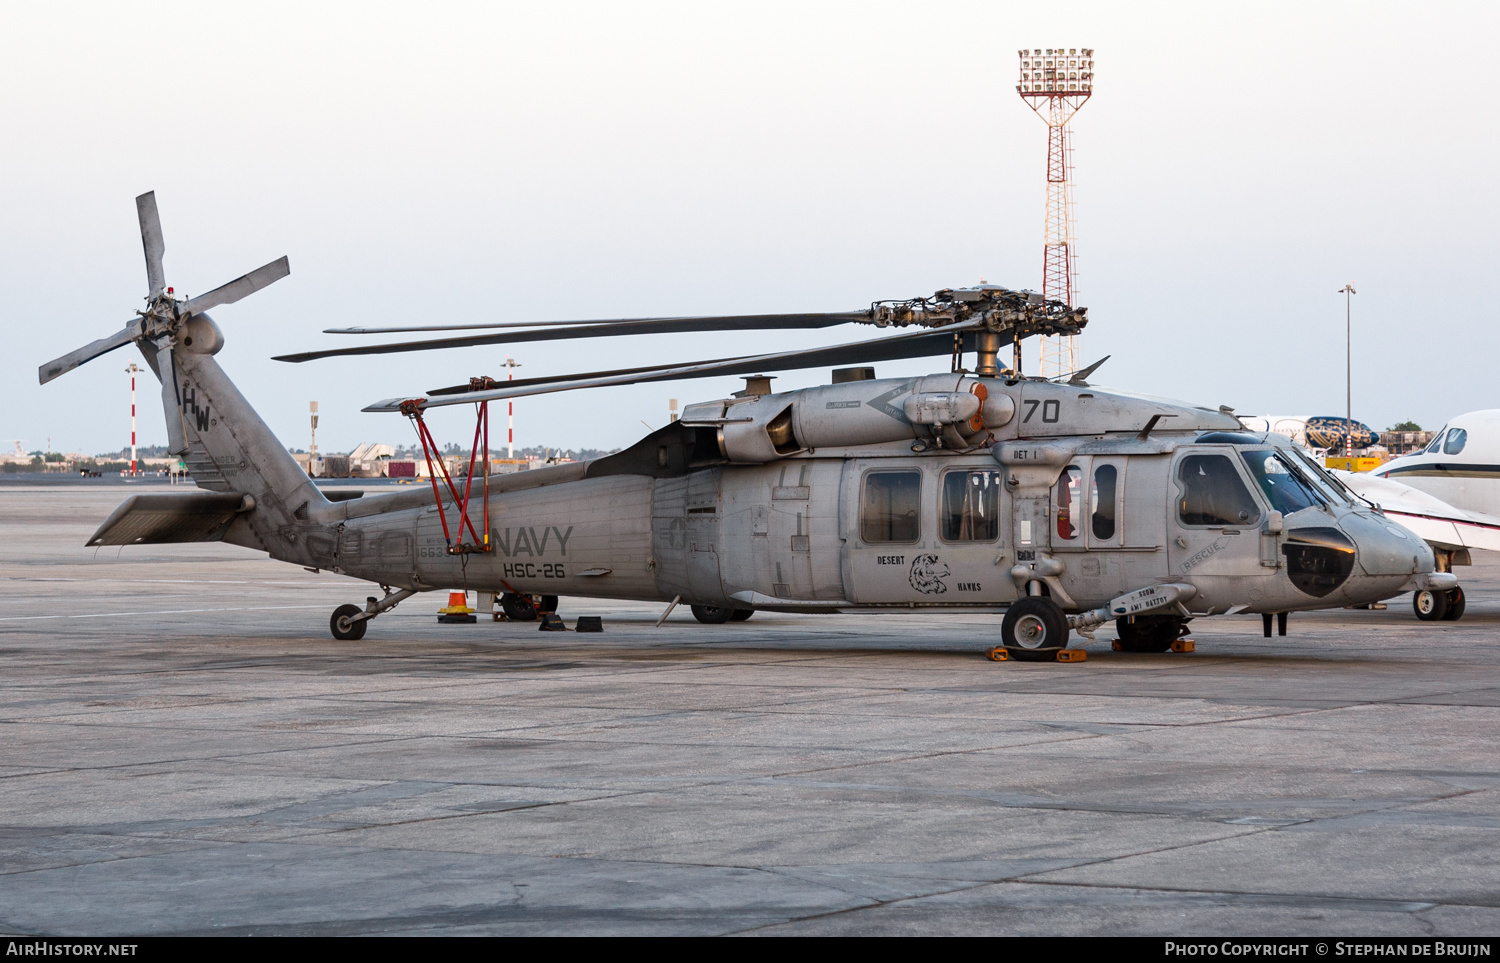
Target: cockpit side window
x,y
1284,488
1455,441
1213,493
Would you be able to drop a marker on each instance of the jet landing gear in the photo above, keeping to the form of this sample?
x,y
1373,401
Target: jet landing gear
x,y
1439,606
526,608
349,622
718,615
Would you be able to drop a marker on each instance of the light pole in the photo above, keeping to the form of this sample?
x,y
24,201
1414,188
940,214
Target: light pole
x,y
510,412
132,371
1348,292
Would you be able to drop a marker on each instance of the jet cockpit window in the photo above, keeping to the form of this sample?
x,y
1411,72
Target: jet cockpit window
x,y
1069,502
971,506
1454,443
1284,487
1213,493
889,510
1324,482
1437,441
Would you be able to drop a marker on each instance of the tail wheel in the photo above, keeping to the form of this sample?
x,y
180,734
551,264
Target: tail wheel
x,y
1148,633
740,615
1034,628
711,614
345,630
1455,604
1430,606
518,608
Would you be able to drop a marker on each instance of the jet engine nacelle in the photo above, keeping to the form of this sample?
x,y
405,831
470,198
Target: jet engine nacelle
x,y
954,408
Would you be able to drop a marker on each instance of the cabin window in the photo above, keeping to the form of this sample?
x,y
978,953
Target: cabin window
x,y
1069,502
971,506
1102,502
1454,443
1284,488
888,512
1213,493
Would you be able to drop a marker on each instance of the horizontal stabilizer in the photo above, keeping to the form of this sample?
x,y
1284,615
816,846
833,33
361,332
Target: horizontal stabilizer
x,y
173,517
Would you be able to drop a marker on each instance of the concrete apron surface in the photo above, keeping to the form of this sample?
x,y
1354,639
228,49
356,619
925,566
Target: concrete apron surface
x,y
185,749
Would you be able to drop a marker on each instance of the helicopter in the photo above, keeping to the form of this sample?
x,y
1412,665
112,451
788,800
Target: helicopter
x,y
1057,505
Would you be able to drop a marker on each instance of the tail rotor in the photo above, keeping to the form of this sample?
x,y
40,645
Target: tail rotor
x,y
167,321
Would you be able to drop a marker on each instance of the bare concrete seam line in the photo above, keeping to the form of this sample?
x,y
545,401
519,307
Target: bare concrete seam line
x,y
1426,904
873,904
186,846
1252,831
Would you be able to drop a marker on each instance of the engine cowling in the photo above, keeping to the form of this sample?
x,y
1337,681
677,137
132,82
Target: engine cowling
x,y
954,409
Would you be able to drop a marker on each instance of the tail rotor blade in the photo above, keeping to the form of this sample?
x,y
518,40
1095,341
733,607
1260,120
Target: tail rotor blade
x,y
151,239
71,360
240,287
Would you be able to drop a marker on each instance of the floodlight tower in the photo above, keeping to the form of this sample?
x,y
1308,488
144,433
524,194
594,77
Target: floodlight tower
x,y
1055,82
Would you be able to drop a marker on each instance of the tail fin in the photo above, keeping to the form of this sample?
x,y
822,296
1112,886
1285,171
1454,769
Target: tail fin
x,y
227,447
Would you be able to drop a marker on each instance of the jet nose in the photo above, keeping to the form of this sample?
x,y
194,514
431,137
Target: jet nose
x,y
1385,548
1389,557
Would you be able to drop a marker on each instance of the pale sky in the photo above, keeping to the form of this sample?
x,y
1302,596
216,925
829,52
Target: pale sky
x,y
506,162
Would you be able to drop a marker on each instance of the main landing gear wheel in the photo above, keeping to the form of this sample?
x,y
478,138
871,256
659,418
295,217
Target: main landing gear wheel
x,y
519,608
740,615
1439,606
1430,606
711,614
1034,629
549,604
343,629
1148,633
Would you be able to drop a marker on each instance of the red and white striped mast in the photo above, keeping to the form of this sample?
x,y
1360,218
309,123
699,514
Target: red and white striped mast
x,y
133,370
510,412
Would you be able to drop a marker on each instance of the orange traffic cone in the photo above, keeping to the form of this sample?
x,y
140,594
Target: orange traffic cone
x,y
457,610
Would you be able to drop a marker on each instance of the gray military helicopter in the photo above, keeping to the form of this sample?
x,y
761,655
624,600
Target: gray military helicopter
x,y
1059,504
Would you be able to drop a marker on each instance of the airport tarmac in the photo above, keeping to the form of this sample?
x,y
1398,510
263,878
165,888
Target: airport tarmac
x,y
184,749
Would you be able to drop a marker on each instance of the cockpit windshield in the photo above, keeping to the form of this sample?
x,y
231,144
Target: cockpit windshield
x,y
1325,483
1284,487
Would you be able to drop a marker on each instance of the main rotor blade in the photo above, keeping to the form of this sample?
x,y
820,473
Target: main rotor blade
x,y
87,353
916,345
602,329
151,240
240,287
486,327
577,376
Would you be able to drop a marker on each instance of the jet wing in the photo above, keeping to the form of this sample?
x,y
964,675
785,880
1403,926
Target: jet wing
x,y
171,517
1430,518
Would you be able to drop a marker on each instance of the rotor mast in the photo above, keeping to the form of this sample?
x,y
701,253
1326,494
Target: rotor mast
x,y
1055,83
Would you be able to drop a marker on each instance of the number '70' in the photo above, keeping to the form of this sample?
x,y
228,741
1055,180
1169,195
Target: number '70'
x,y
1051,410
